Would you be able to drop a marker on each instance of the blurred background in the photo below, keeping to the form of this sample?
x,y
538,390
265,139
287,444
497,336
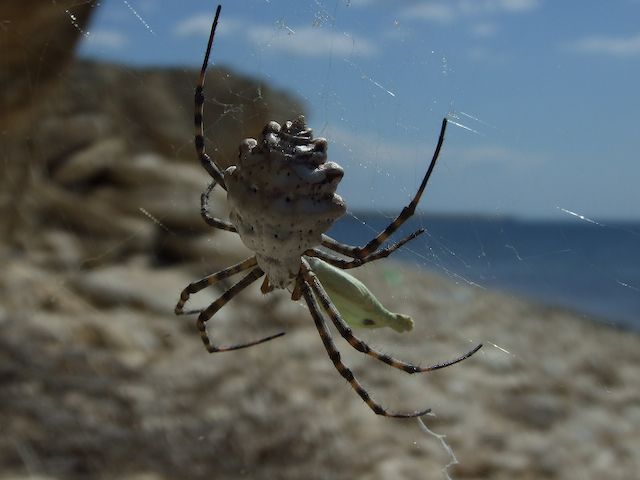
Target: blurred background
x,y
532,218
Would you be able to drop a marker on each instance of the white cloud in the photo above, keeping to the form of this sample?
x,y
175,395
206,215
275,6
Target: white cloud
x,y
484,54
390,154
315,42
305,40
200,25
107,39
446,11
437,12
373,148
359,3
494,154
483,7
483,30
518,5
464,5
613,46
196,25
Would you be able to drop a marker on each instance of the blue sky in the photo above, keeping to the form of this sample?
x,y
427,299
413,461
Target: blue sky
x,y
545,92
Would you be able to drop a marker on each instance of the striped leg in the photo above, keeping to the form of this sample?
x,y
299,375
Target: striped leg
x,y
203,283
336,246
334,355
347,264
408,211
361,346
206,162
204,211
212,309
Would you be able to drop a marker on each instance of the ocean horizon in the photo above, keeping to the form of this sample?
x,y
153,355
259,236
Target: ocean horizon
x,y
592,268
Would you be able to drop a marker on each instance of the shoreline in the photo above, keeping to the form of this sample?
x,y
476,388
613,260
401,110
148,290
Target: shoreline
x,y
113,362
587,268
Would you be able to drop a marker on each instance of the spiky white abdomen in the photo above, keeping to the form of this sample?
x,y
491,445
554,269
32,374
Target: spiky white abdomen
x,y
282,196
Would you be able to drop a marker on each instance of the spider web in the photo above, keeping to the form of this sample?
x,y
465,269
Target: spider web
x,y
509,207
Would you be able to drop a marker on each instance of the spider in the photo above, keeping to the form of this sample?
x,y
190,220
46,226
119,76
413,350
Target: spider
x,y
282,199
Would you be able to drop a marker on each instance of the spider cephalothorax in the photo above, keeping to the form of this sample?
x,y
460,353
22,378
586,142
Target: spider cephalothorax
x,y
282,198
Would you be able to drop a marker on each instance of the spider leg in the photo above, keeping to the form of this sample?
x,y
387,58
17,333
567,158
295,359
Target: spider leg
x,y
266,287
408,211
204,211
203,283
336,246
347,264
334,355
205,160
362,346
212,309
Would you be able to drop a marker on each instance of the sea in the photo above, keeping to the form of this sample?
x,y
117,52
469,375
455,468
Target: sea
x,y
590,267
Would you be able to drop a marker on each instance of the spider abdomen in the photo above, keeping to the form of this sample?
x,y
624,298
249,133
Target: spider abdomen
x,y
282,196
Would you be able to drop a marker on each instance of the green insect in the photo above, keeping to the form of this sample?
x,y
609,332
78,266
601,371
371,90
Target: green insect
x,y
355,302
